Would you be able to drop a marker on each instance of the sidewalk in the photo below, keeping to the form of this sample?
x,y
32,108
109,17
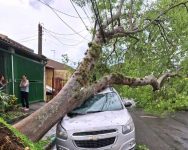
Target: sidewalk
x,y
35,106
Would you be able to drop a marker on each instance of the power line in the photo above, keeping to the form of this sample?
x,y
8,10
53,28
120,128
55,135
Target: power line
x,y
29,40
79,15
105,10
64,44
89,18
62,11
62,37
85,13
97,15
62,19
111,12
29,37
62,33
97,11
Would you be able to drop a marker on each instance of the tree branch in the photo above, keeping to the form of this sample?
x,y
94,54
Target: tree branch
x,y
114,17
130,16
113,49
166,75
161,14
120,79
121,32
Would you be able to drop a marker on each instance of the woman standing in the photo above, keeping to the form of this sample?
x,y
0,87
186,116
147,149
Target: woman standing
x,y
24,89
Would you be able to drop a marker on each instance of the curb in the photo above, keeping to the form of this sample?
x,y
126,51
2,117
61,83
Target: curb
x,y
12,121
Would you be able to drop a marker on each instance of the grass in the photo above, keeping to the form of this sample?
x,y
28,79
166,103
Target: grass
x,y
12,115
141,147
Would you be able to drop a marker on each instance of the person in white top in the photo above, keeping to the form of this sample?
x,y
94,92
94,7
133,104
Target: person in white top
x,y
24,90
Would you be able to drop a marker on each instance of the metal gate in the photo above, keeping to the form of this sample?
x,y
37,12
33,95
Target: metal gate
x,y
34,71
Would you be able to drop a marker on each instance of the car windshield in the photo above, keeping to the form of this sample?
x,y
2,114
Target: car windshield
x,y
99,103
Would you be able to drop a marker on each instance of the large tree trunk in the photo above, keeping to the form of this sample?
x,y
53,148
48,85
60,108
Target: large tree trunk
x,y
38,123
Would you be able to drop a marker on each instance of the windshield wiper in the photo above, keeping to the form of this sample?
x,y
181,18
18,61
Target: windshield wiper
x,y
73,114
89,112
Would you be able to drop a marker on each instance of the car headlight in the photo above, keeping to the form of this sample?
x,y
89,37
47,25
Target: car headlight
x,y
61,133
128,127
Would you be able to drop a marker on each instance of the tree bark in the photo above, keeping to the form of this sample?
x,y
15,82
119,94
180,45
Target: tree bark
x,y
120,79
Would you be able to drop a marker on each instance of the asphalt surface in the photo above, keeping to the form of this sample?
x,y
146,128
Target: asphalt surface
x,y
170,133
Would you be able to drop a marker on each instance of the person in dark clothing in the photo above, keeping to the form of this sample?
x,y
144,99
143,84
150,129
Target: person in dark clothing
x,y
24,89
2,82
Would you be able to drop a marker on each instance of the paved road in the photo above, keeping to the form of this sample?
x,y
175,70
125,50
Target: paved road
x,y
169,133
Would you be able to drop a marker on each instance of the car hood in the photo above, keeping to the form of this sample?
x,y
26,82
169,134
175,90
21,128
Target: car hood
x,y
96,120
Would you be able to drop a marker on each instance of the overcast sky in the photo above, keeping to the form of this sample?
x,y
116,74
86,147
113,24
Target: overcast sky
x,y
20,18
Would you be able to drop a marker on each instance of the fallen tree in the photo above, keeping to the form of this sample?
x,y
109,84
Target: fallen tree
x,y
77,89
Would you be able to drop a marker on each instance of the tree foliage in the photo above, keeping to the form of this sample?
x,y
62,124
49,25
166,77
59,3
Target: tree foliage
x,y
161,47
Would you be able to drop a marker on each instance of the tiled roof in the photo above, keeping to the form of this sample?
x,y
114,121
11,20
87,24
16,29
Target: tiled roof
x,y
17,46
13,43
57,65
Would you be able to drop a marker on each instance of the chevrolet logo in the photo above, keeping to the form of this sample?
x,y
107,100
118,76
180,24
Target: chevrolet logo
x,y
93,138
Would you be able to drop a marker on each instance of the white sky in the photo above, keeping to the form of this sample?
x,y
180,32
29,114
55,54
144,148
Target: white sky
x,y
19,21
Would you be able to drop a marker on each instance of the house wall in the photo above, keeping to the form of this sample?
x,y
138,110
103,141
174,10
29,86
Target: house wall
x,y
49,76
64,74
60,78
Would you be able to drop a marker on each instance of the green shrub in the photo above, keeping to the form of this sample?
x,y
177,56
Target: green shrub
x,y
7,101
173,96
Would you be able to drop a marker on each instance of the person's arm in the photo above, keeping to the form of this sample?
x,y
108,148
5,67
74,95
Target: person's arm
x,y
21,84
26,83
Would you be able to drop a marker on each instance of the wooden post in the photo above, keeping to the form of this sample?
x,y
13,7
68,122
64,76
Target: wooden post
x,y
39,39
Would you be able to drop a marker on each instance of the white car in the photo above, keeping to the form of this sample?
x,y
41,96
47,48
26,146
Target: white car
x,y
101,123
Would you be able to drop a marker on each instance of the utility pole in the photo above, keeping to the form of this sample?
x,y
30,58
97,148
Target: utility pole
x,y
39,39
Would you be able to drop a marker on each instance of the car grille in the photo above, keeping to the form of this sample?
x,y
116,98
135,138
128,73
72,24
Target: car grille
x,y
94,132
94,143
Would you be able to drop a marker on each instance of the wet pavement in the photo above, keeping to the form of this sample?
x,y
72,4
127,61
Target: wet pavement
x,y
170,133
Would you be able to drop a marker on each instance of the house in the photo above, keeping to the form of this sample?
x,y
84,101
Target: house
x,y
16,60
57,74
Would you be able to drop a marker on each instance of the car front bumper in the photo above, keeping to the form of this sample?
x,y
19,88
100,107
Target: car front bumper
x,y
121,142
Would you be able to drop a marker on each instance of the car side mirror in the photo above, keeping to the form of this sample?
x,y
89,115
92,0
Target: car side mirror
x,y
127,104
